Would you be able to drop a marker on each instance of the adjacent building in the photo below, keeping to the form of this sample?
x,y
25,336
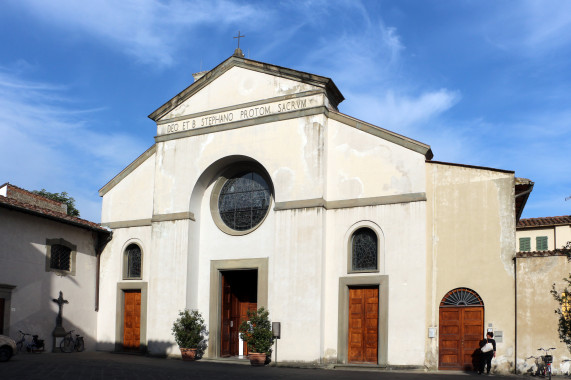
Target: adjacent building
x,y
44,251
542,262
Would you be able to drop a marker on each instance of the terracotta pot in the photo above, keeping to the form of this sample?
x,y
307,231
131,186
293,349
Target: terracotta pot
x,y
188,354
257,359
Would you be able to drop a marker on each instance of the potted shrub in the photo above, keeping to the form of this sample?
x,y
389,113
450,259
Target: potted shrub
x,y
189,333
257,333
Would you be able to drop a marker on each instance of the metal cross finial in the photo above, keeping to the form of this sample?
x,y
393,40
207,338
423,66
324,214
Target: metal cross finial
x,y
238,37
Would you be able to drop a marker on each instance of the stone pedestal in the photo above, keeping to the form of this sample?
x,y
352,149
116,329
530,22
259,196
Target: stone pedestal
x,y
58,334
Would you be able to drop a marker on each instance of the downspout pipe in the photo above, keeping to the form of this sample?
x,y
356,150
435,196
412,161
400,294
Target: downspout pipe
x,y
515,306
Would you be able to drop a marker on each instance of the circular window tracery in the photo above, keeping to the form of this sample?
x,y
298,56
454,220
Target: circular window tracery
x,y
241,199
244,201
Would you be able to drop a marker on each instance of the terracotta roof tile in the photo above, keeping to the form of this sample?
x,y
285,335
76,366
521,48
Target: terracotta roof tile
x,y
555,252
546,221
50,214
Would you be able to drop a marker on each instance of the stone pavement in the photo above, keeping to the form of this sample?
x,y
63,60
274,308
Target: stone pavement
x,y
110,366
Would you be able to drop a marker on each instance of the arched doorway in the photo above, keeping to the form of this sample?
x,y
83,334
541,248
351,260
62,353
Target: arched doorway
x,y
461,327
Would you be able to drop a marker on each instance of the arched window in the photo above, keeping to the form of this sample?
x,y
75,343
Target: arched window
x,y
364,250
461,297
133,261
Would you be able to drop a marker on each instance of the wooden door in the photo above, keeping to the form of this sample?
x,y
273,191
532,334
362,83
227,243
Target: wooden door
x,y
363,324
238,296
460,332
2,303
132,320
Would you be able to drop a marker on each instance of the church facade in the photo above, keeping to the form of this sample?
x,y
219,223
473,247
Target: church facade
x,y
259,192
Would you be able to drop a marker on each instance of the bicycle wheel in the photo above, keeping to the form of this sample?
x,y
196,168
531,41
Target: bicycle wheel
x,y
19,346
66,345
79,345
549,371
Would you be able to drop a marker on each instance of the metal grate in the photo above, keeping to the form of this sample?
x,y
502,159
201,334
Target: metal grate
x,y
60,257
462,297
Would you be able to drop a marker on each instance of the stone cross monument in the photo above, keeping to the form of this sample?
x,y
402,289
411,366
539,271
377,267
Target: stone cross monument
x,y
59,331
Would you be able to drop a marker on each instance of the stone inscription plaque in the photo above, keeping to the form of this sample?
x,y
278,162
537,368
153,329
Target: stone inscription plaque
x,y
238,114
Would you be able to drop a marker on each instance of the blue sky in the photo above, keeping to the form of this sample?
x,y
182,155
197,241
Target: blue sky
x,y
482,82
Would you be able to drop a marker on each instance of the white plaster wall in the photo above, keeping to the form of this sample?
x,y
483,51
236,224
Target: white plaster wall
x,y
132,197
167,285
23,264
290,150
360,165
111,272
237,86
403,228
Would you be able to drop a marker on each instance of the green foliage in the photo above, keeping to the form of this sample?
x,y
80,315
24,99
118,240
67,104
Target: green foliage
x,y
189,330
563,298
60,197
258,333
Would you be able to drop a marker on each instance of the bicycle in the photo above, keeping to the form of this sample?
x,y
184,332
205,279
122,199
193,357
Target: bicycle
x,y
547,360
20,344
35,346
67,345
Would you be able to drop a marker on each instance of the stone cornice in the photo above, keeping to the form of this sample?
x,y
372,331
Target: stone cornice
x,y
350,203
128,170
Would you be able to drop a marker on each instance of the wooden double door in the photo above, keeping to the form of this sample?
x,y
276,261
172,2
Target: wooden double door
x,y
239,294
132,320
461,330
363,324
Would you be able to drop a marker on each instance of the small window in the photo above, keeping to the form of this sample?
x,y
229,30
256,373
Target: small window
x,y
132,262
60,257
524,244
364,250
541,243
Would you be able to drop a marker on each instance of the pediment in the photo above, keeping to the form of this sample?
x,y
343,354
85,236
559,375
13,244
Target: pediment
x,y
240,81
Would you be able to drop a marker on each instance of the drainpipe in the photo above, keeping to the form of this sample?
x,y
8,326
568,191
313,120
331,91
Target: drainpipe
x,y
515,324
101,241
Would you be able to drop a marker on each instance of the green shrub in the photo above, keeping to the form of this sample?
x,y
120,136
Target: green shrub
x,y
189,330
258,332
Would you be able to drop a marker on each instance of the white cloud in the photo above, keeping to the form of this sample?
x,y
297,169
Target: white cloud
x,y
149,30
403,113
48,143
530,27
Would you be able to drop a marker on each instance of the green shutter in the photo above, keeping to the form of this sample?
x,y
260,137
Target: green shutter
x,y
541,243
524,244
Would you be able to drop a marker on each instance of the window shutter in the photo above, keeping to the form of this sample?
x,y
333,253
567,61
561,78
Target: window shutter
x,y
524,244
541,243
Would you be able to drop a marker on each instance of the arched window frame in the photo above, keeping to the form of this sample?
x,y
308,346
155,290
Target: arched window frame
x,y
125,256
461,297
380,246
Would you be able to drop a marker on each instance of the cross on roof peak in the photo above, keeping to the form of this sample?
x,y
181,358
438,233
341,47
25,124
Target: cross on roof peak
x,y
238,51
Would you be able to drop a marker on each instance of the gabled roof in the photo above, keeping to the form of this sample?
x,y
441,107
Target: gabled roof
x,y
333,93
548,221
52,214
